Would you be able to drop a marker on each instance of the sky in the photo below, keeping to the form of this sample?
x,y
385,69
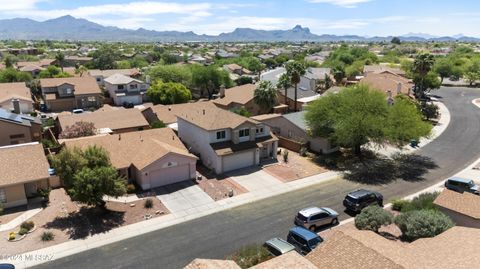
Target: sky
x,y
340,17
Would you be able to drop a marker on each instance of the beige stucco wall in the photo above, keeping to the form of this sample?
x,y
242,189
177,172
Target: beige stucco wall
x,y
7,129
67,104
25,106
15,195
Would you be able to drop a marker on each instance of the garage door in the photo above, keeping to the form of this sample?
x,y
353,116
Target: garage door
x,y
238,160
169,175
134,99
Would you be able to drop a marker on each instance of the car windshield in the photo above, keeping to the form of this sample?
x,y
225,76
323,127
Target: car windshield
x,y
313,243
351,199
301,217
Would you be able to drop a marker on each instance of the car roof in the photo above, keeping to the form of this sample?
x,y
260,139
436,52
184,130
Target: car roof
x,y
359,193
307,212
304,233
280,244
460,179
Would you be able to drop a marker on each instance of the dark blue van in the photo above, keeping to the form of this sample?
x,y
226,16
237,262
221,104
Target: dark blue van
x,y
303,239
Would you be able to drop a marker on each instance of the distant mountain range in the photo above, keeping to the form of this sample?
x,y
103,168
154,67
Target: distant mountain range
x,y
70,28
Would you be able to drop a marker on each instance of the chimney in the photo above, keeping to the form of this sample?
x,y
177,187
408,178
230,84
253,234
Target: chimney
x,y
399,88
119,137
222,91
16,106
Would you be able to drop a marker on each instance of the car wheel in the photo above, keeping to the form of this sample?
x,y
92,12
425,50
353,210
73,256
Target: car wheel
x,y
313,228
334,221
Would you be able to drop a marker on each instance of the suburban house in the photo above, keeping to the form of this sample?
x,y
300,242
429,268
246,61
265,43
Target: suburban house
x,y
389,83
304,96
15,93
151,158
273,75
377,69
314,78
66,94
225,141
165,113
34,68
126,90
18,128
236,71
462,208
72,61
240,96
100,75
24,170
106,120
293,132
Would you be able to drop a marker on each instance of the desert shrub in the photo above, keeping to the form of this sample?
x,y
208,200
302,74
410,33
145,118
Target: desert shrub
x,y
148,203
44,193
423,201
422,223
399,204
47,236
372,218
285,155
303,151
250,255
28,225
23,231
131,188
12,236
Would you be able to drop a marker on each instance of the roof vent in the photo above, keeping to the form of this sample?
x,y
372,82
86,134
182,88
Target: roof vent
x,y
169,108
204,112
119,137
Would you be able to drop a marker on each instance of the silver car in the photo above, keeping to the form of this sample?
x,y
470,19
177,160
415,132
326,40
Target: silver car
x,y
277,246
314,217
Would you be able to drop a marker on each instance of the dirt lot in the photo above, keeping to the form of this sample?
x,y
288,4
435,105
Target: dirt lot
x,y
68,220
297,167
218,187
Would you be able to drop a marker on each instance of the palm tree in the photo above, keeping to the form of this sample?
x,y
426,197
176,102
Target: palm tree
x,y
422,65
265,96
295,70
284,83
60,58
81,70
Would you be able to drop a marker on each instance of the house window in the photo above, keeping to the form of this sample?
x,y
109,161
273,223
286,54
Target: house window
x,y
15,136
3,196
259,130
68,91
120,87
221,135
99,79
244,132
133,86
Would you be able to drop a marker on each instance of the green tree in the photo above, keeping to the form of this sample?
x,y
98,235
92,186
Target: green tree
x,y
168,93
11,75
158,124
171,73
208,79
472,72
265,96
422,66
404,122
60,58
81,70
350,118
8,61
242,111
105,58
91,184
422,224
372,218
255,65
444,68
396,40
284,82
295,70
244,80
67,163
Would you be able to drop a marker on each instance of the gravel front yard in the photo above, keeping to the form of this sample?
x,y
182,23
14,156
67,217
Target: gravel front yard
x,y
297,167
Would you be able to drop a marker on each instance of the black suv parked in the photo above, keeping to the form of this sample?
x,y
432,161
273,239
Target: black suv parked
x,y
357,200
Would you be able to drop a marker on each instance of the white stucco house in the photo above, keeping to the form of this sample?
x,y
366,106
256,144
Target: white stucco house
x,y
225,141
126,90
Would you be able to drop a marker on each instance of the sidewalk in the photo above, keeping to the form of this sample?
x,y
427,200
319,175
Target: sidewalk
x,y
18,220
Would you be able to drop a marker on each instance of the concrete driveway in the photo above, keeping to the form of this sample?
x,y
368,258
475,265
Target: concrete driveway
x,y
255,179
184,198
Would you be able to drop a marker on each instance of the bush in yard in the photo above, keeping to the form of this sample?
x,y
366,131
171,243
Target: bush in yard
x,y
23,231
12,236
47,236
372,218
148,203
250,255
303,151
422,223
79,129
28,225
131,188
285,155
423,201
399,204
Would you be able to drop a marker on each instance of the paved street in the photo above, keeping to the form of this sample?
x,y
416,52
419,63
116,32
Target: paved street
x,y
219,234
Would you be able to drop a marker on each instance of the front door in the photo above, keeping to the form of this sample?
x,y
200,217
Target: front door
x,y
30,189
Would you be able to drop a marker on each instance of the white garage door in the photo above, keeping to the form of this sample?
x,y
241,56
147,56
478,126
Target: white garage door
x,y
169,175
134,99
238,160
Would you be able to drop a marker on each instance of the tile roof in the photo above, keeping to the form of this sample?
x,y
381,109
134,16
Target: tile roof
x,y
342,251
273,75
168,113
464,203
114,119
30,68
40,63
83,85
317,73
298,119
301,93
109,72
290,260
20,119
239,95
211,264
120,79
263,117
381,68
23,163
15,90
387,81
208,116
138,148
